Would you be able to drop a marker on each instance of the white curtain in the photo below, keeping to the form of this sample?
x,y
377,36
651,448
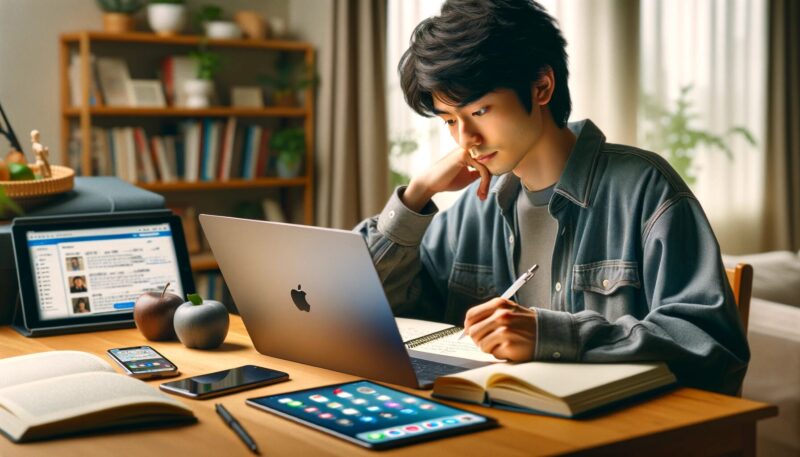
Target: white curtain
x,y
718,47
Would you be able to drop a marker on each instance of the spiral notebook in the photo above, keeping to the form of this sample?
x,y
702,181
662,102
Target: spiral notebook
x,y
440,339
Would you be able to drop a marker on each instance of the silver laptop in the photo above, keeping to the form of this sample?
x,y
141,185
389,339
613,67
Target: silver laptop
x,y
312,295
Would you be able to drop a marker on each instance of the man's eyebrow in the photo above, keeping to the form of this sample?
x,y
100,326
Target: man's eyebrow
x,y
439,112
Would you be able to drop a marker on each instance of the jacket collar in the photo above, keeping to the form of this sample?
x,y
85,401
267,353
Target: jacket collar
x,y
576,180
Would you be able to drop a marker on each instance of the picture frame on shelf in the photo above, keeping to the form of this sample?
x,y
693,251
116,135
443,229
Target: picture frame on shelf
x,y
247,97
147,93
114,79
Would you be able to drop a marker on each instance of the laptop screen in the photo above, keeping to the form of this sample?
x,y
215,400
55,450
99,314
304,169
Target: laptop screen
x,y
100,271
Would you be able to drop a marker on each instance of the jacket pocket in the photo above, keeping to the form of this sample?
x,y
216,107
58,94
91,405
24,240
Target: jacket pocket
x,y
470,284
609,287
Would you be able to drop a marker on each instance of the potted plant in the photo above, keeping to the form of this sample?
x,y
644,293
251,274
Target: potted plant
x,y
166,17
287,80
198,91
118,14
290,146
210,18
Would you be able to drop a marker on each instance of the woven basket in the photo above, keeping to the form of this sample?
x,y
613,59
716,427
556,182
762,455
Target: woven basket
x,y
31,193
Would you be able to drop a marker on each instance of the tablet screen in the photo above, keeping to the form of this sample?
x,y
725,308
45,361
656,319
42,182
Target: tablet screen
x,y
371,414
100,271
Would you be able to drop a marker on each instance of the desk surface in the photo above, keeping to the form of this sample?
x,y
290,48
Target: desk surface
x,y
685,421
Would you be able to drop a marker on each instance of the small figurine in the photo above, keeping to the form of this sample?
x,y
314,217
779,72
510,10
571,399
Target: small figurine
x,y
42,155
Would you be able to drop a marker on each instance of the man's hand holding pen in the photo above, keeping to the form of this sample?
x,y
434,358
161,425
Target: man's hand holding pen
x,y
503,328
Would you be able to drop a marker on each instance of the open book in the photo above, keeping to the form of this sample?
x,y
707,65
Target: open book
x,y
55,393
561,389
440,339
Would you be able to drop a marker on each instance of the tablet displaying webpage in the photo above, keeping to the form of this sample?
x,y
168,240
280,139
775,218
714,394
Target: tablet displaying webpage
x,y
101,270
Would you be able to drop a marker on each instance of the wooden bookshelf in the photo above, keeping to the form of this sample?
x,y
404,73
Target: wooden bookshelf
x,y
84,116
203,261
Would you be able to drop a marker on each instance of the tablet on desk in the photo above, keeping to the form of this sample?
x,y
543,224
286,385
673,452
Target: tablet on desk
x,y
372,415
85,273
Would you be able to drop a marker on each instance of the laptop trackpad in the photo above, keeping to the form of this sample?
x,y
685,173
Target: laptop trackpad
x,y
447,360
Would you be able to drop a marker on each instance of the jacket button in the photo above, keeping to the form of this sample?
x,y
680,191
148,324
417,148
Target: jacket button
x,y
556,355
606,283
510,239
391,214
558,287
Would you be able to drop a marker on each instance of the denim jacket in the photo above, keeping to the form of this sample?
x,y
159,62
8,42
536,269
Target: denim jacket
x,y
636,268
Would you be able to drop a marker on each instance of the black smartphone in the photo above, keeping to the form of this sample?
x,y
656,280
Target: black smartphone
x,y
224,382
143,362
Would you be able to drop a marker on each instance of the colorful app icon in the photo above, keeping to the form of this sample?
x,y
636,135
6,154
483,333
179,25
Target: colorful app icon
x,y
295,404
350,411
345,422
394,432
383,398
156,364
388,415
326,416
318,398
466,418
359,401
284,400
337,390
375,436
366,390
367,419
409,400
311,409
407,411
344,395
373,408
334,405
450,421
392,404
426,406
412,428
432,424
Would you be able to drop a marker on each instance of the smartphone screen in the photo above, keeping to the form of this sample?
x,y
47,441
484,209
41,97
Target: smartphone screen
x,y
143,361
220,382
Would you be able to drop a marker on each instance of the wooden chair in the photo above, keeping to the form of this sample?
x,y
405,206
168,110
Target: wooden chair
x,y
741,280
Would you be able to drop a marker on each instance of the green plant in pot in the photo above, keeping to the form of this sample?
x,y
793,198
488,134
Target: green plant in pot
x,y
199,90
118,14
287,79
211,19
290,146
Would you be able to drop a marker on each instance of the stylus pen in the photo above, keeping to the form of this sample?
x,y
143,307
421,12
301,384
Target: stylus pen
x,y
237,427
524,278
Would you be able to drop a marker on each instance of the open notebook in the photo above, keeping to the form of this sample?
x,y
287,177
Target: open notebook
x,y
440,339
55,393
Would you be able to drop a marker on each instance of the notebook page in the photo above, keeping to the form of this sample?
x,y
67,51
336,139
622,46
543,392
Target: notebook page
x,y
453,347
415,328
45,365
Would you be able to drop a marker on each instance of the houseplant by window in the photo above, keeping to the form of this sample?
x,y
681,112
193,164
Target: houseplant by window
x,y
118,14
166,17
287,79
289,145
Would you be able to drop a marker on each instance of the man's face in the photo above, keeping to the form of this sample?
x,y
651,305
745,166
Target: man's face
x,y
496,129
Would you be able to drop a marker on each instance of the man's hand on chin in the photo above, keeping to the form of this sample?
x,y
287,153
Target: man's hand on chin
x,y
503,328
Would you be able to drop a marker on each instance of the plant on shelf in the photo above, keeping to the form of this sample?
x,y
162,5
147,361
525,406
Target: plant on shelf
x,y
670,132
290,146
199,90
118,14
211,20
167,17
287,80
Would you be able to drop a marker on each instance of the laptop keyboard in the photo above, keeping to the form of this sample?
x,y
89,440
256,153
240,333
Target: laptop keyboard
x,y
428,371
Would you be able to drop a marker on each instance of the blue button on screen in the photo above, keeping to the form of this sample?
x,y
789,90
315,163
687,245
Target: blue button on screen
x,y
124,305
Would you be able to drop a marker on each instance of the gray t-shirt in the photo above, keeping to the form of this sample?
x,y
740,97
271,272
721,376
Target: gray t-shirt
x,y
537,236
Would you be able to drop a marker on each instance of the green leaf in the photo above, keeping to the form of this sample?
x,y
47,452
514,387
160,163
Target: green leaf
x,y
195,299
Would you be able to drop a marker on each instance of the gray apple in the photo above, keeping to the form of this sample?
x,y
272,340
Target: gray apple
x,y
201,324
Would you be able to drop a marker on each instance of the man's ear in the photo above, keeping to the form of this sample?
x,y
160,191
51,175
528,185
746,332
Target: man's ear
x,y
542,89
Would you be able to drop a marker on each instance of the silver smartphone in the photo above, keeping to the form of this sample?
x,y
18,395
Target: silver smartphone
x,y
143,362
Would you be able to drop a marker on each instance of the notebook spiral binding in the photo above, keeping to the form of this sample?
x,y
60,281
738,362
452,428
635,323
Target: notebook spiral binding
x,y
433,336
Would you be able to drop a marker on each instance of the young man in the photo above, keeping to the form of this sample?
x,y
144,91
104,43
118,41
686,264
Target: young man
x,y
629,268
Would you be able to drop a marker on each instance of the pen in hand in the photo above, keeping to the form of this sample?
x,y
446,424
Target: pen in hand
x,y
237,427
524,278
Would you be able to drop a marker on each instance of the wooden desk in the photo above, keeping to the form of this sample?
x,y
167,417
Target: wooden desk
x,y
682,422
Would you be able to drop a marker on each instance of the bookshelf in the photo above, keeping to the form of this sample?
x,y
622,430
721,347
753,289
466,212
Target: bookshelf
x,y
85,116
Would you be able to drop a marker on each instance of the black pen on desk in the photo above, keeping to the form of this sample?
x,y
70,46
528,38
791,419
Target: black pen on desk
x,y
237,427
524,278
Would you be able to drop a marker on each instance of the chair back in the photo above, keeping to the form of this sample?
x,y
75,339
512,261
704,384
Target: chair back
x,y
741,280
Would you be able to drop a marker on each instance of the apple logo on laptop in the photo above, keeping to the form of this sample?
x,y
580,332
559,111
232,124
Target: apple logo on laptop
x,y
299,299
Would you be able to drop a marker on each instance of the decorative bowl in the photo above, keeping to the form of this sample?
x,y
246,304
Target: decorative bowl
x,y
32,193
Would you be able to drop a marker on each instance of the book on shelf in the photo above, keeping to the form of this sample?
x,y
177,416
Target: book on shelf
x,y
57,393
175,71
262,167
147,168
226,151
74,73
559,389
114,79
188,216
273,211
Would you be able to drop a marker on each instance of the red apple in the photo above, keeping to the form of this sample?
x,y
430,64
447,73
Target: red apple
x,y
153,314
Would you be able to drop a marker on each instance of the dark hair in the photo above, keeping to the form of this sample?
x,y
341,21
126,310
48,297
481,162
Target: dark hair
x,y
477,46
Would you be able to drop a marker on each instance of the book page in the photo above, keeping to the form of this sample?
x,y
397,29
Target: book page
x,y
451,346
415,328
44,365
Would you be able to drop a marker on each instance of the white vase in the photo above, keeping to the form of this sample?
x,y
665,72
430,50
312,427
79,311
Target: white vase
x,y
166,19
222,30
198,93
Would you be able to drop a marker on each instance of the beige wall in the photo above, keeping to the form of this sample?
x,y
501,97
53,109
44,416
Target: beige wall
x,y
29,31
